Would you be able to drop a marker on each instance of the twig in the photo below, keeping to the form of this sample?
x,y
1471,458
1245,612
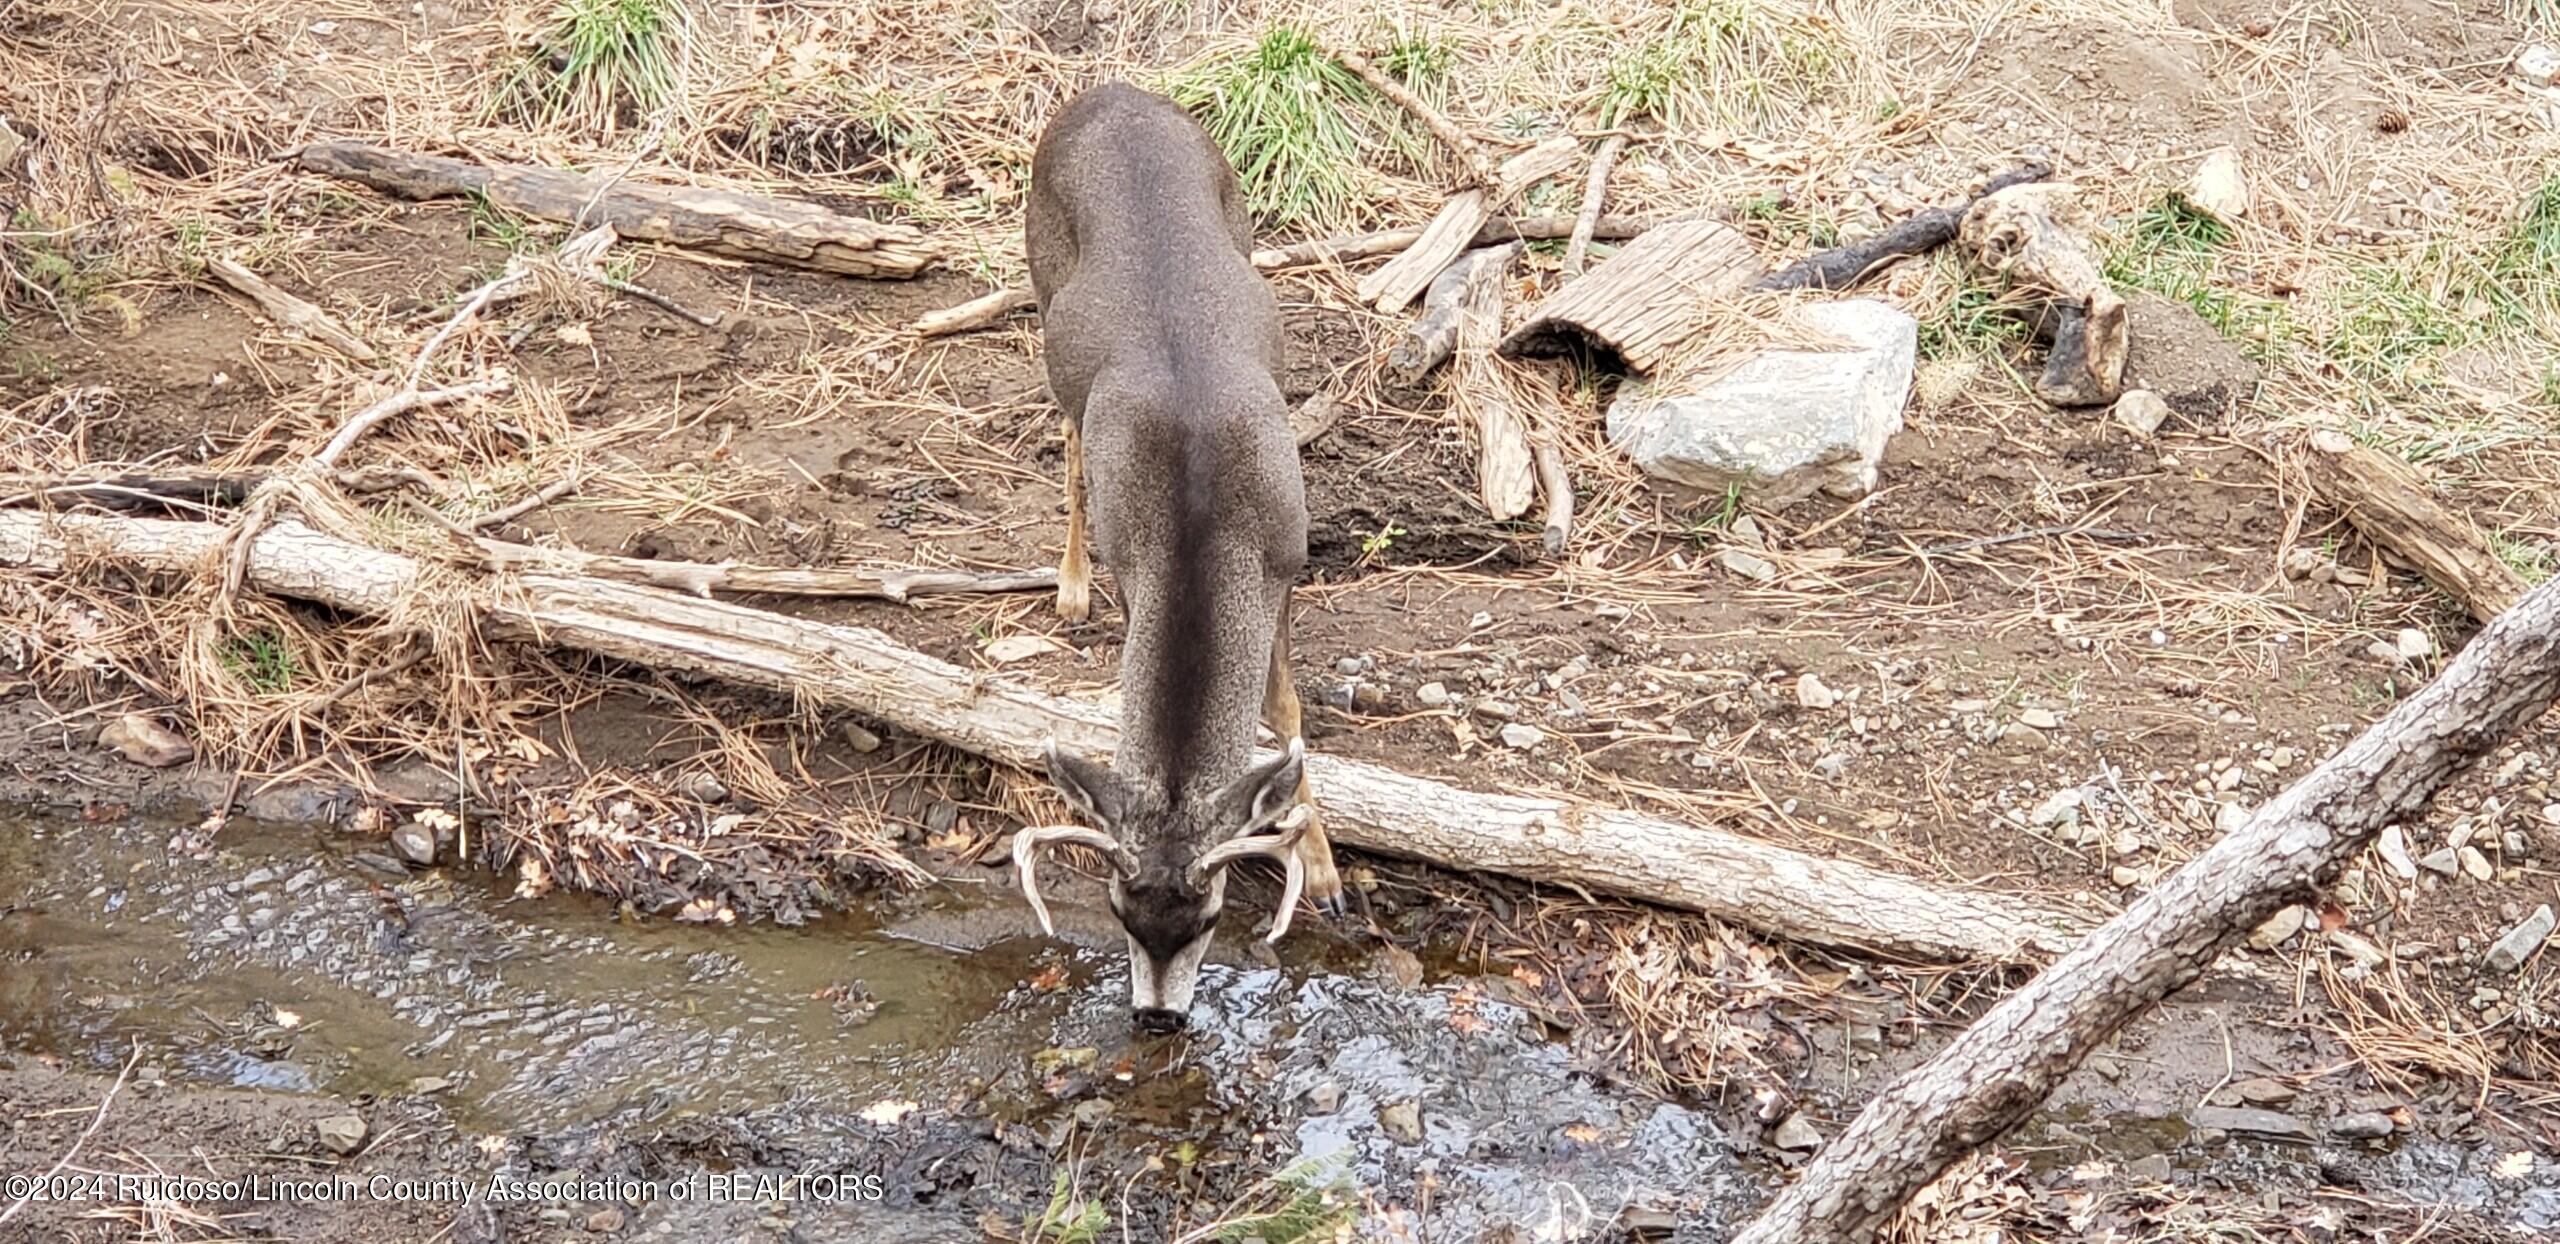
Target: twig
x,y
646,294
415,654
704,578
1469,154
290,311
1593,192
399,403
95,1122
2035,533
550,493
1557,483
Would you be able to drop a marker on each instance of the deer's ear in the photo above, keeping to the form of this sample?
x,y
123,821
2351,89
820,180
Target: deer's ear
x,y
1089,788
1265,793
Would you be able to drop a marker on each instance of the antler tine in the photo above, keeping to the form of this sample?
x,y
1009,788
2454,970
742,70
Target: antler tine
x,y
1282,840
1293,878
1027,846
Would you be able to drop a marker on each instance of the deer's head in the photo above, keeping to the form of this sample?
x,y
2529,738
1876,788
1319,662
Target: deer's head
x,y
1168,864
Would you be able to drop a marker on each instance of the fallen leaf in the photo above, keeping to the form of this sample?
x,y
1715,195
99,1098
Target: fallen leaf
x,y
533,880
2515,1165
288,1019
887,1112
1011,648
1049,979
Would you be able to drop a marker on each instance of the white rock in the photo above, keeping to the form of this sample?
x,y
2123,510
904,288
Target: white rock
x,y
1522,735
1797,1135
2395,853
2279,927
2441,860
2520,942
1751,566
2539,64
2126,876
2219,188
2141,412
2060,808
2474,863
2040,718
2363,953
2413,645
1432,694
2231,816
1786,423
1812,694
342,1134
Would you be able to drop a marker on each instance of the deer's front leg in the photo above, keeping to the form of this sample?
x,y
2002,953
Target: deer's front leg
x,y
1280,711
1075,566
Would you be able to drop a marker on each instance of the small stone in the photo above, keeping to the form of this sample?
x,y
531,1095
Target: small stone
x,y
2262,1091
2062,807
341,1134
416,843
2512,844
706,788
1748,565
1432,695
2278,929
2362,953
2230,817
2394,847
2271,1124
1796,1135
2443,861
140,738
1785,423
425,1086
2141,412
2413,645
1747,530
2519,943
2125,876
2381,650
1348,666
1522,735
860,738
2151,1168
606,1221
1480,621
2219,188
2362,1125
2475,864
1402,1120
1324,1097
941,816
2040,718
1812,694
2539,64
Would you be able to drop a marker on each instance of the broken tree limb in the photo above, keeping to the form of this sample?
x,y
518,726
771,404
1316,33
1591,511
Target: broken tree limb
x,y
744,226
292,312
1556,482
1483,392
1595,189
1463,148
1314,417
1402,279
2002,1067
1430,340
2389,502
1650,298
1844,266
987,309
730,578
1696,868
2032,234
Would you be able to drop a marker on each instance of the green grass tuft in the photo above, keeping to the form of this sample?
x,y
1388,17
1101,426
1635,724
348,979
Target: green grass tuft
x,y
1068,1218
1975,323
603,64
1287,116
2171,249
1720,64
264,660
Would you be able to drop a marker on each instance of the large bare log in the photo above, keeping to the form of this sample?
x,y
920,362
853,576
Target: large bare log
x,y
1402,279
1844,266
1999,1070
2390,504
1645,301
801,235
1698,868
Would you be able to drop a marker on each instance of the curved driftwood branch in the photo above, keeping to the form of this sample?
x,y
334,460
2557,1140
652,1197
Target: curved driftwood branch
x,y
1787,893
2000,1069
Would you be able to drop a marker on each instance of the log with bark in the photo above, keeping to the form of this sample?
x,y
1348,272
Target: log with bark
x,y
1697,868
988,309
1645,302
1845,266
2033,235
725,222
1506,479
2387,500
2001,1068
1402,279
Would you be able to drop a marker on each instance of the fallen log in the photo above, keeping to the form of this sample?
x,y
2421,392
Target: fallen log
x,y
1402,279
1845,266
724,222
2032,235
987,309
731,578
2002,1067
1430,340
292,312
1786,893
1506,479
2386,499
1646,301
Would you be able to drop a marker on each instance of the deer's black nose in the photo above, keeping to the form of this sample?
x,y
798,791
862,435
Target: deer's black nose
x,y
1157,1020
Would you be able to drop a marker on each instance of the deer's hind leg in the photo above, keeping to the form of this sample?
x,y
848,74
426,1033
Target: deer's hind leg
x,y
1075,566
1280,711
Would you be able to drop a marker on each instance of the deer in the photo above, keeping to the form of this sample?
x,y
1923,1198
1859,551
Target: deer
x,y
1163,348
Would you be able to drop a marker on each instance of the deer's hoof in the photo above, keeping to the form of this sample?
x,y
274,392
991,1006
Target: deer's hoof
x,y
1075,601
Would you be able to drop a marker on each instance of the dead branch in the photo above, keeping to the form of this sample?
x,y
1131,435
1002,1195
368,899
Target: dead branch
x,y
1594,189
1431,339
704,578
1693,867
745,226
2003,1067
1556,482
2387,500
1402,279
1462,147
987,309
549,493
1504,478
1646,302
1844,266
1314,417
2032,234
292,312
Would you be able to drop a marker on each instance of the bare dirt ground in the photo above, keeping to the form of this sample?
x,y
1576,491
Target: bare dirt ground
x,y
2215,647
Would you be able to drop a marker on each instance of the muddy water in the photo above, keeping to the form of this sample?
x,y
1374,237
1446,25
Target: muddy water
x,y
293,961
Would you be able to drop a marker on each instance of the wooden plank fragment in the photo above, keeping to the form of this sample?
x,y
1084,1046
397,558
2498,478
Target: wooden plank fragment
x,y
1641,305
2389,502
1402,279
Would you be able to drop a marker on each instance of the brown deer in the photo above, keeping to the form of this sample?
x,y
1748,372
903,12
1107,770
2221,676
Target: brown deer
x,y
1163,348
